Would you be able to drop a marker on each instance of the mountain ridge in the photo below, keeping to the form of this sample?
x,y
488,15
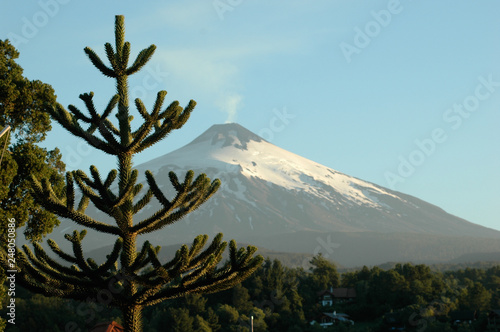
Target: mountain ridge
x,y
244,160
269,195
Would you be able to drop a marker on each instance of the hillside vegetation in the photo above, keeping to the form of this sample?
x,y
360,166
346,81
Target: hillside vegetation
x,y
281,298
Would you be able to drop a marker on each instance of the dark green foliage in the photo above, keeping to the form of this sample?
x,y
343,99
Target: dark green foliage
x,y
213,320
476,296
272,312
324,273
179,320
228,316
23,107
132,279
24,104
241,299
201,325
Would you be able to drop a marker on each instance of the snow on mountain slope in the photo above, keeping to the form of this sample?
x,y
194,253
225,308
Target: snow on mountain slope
x,y
282,201
268,190
232,148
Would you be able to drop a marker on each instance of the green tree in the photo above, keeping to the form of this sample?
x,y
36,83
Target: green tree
x,y
476,297
192,270
201,325
349,279
259,324
23,103
228,316
179,320
196,303
241,299
324,273
23,107
212,319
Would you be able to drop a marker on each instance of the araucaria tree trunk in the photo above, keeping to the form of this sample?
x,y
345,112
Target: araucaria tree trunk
x,y
129,279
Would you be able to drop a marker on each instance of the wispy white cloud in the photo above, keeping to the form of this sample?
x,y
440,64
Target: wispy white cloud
x,y
215,72
207,73
230,104
215,65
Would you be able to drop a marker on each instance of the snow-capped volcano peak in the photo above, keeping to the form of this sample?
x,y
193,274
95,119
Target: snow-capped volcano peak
x,y
274,198
267,187
231,147
229,134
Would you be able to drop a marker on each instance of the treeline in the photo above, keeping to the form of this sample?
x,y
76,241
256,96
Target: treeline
x,y
286,299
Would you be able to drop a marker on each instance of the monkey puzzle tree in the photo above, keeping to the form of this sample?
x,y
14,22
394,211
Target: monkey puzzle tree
x,y
134,278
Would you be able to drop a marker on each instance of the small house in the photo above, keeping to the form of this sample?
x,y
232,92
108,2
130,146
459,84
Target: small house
x,y
336,295
328,319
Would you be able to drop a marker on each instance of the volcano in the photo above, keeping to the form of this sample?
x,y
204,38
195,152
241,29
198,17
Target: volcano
x,y
276,199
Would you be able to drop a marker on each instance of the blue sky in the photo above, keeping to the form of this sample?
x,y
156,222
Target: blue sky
x,y
405,94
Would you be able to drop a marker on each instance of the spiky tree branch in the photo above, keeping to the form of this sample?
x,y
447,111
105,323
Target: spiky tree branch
x,y
136,278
